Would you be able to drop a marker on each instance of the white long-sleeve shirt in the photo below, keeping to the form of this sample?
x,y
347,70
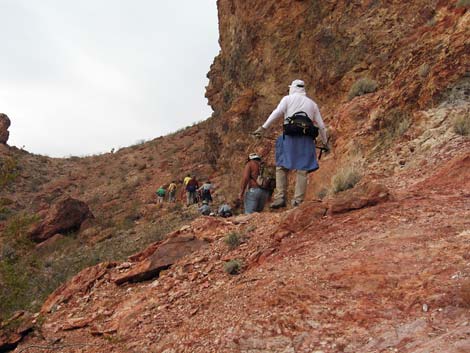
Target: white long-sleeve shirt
x,y
295,102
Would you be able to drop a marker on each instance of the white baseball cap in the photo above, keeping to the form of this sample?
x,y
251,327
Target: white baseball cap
x,y
253,156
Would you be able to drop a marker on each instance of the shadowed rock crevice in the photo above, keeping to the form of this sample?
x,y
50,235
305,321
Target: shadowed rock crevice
x,y
160,257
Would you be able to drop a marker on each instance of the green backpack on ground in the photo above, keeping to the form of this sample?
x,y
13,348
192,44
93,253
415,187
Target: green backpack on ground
x,y
267,177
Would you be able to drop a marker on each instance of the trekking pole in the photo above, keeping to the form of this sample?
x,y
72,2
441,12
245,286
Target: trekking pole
x,y
260,137
322,148
321,151
258,141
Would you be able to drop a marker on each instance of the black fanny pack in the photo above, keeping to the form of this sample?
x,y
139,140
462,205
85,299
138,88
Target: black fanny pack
x,y
300,124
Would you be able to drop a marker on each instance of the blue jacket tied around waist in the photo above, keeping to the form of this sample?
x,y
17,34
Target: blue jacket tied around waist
x,y
296,152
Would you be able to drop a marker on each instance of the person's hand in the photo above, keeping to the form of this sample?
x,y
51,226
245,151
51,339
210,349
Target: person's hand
x,y
259,132
326,148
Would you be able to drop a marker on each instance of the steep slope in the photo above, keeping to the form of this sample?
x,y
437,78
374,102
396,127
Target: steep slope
x,y
386,278
389,277
119,189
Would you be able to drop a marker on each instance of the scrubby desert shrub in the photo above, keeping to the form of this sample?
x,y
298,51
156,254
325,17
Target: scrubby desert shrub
x,y
232,240
463,3
8,171
233,267
392,125
462,125
13,289
362,86
5,212
18,225
345,179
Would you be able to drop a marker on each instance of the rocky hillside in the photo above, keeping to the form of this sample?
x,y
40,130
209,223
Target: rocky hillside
x,y
382,267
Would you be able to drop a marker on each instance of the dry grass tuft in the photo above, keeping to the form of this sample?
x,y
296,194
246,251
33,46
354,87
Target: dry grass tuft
x,y
233,267
345,179
233,240
361,87
462,3
462,125
423,70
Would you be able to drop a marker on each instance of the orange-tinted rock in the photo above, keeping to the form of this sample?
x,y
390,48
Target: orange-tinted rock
x,y
364,195
456,172
81,283
11,337
303,216
163,256
8,341
65,216
76,323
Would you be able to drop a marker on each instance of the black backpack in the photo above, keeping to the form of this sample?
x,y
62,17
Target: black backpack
x,y
300,124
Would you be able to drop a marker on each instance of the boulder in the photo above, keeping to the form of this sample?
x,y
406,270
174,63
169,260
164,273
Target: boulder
x,y
78,285
162,257
364,195
302,216
65,216
14,330
4,125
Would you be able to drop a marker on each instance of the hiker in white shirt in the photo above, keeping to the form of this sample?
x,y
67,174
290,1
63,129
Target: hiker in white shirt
x,y
295,152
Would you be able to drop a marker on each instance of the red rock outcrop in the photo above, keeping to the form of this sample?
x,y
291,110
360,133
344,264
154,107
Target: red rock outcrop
x,y
14,329
66,215
4,125
364,195
161,257
79,285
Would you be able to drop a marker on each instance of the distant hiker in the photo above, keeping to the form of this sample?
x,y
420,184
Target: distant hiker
x,y
225,210
160,194
205,190
255,197
191,191
295,148
205,209
186,180
172,192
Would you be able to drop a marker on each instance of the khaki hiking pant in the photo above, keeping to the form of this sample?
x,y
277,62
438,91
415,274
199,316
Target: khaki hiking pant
x,y
281,185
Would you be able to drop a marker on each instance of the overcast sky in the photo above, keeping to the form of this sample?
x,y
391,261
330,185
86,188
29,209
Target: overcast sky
x,y
82,77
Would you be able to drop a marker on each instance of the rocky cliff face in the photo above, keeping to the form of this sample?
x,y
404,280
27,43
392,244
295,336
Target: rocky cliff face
x,y
382,267
4,125
417,53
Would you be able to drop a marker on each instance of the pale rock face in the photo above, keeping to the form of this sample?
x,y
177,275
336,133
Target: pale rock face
x,y
4,125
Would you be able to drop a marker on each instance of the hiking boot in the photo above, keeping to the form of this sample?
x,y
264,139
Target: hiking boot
x,y
278,204
295,203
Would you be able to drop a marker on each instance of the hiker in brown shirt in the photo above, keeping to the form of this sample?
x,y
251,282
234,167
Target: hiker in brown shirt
x,y
255,197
